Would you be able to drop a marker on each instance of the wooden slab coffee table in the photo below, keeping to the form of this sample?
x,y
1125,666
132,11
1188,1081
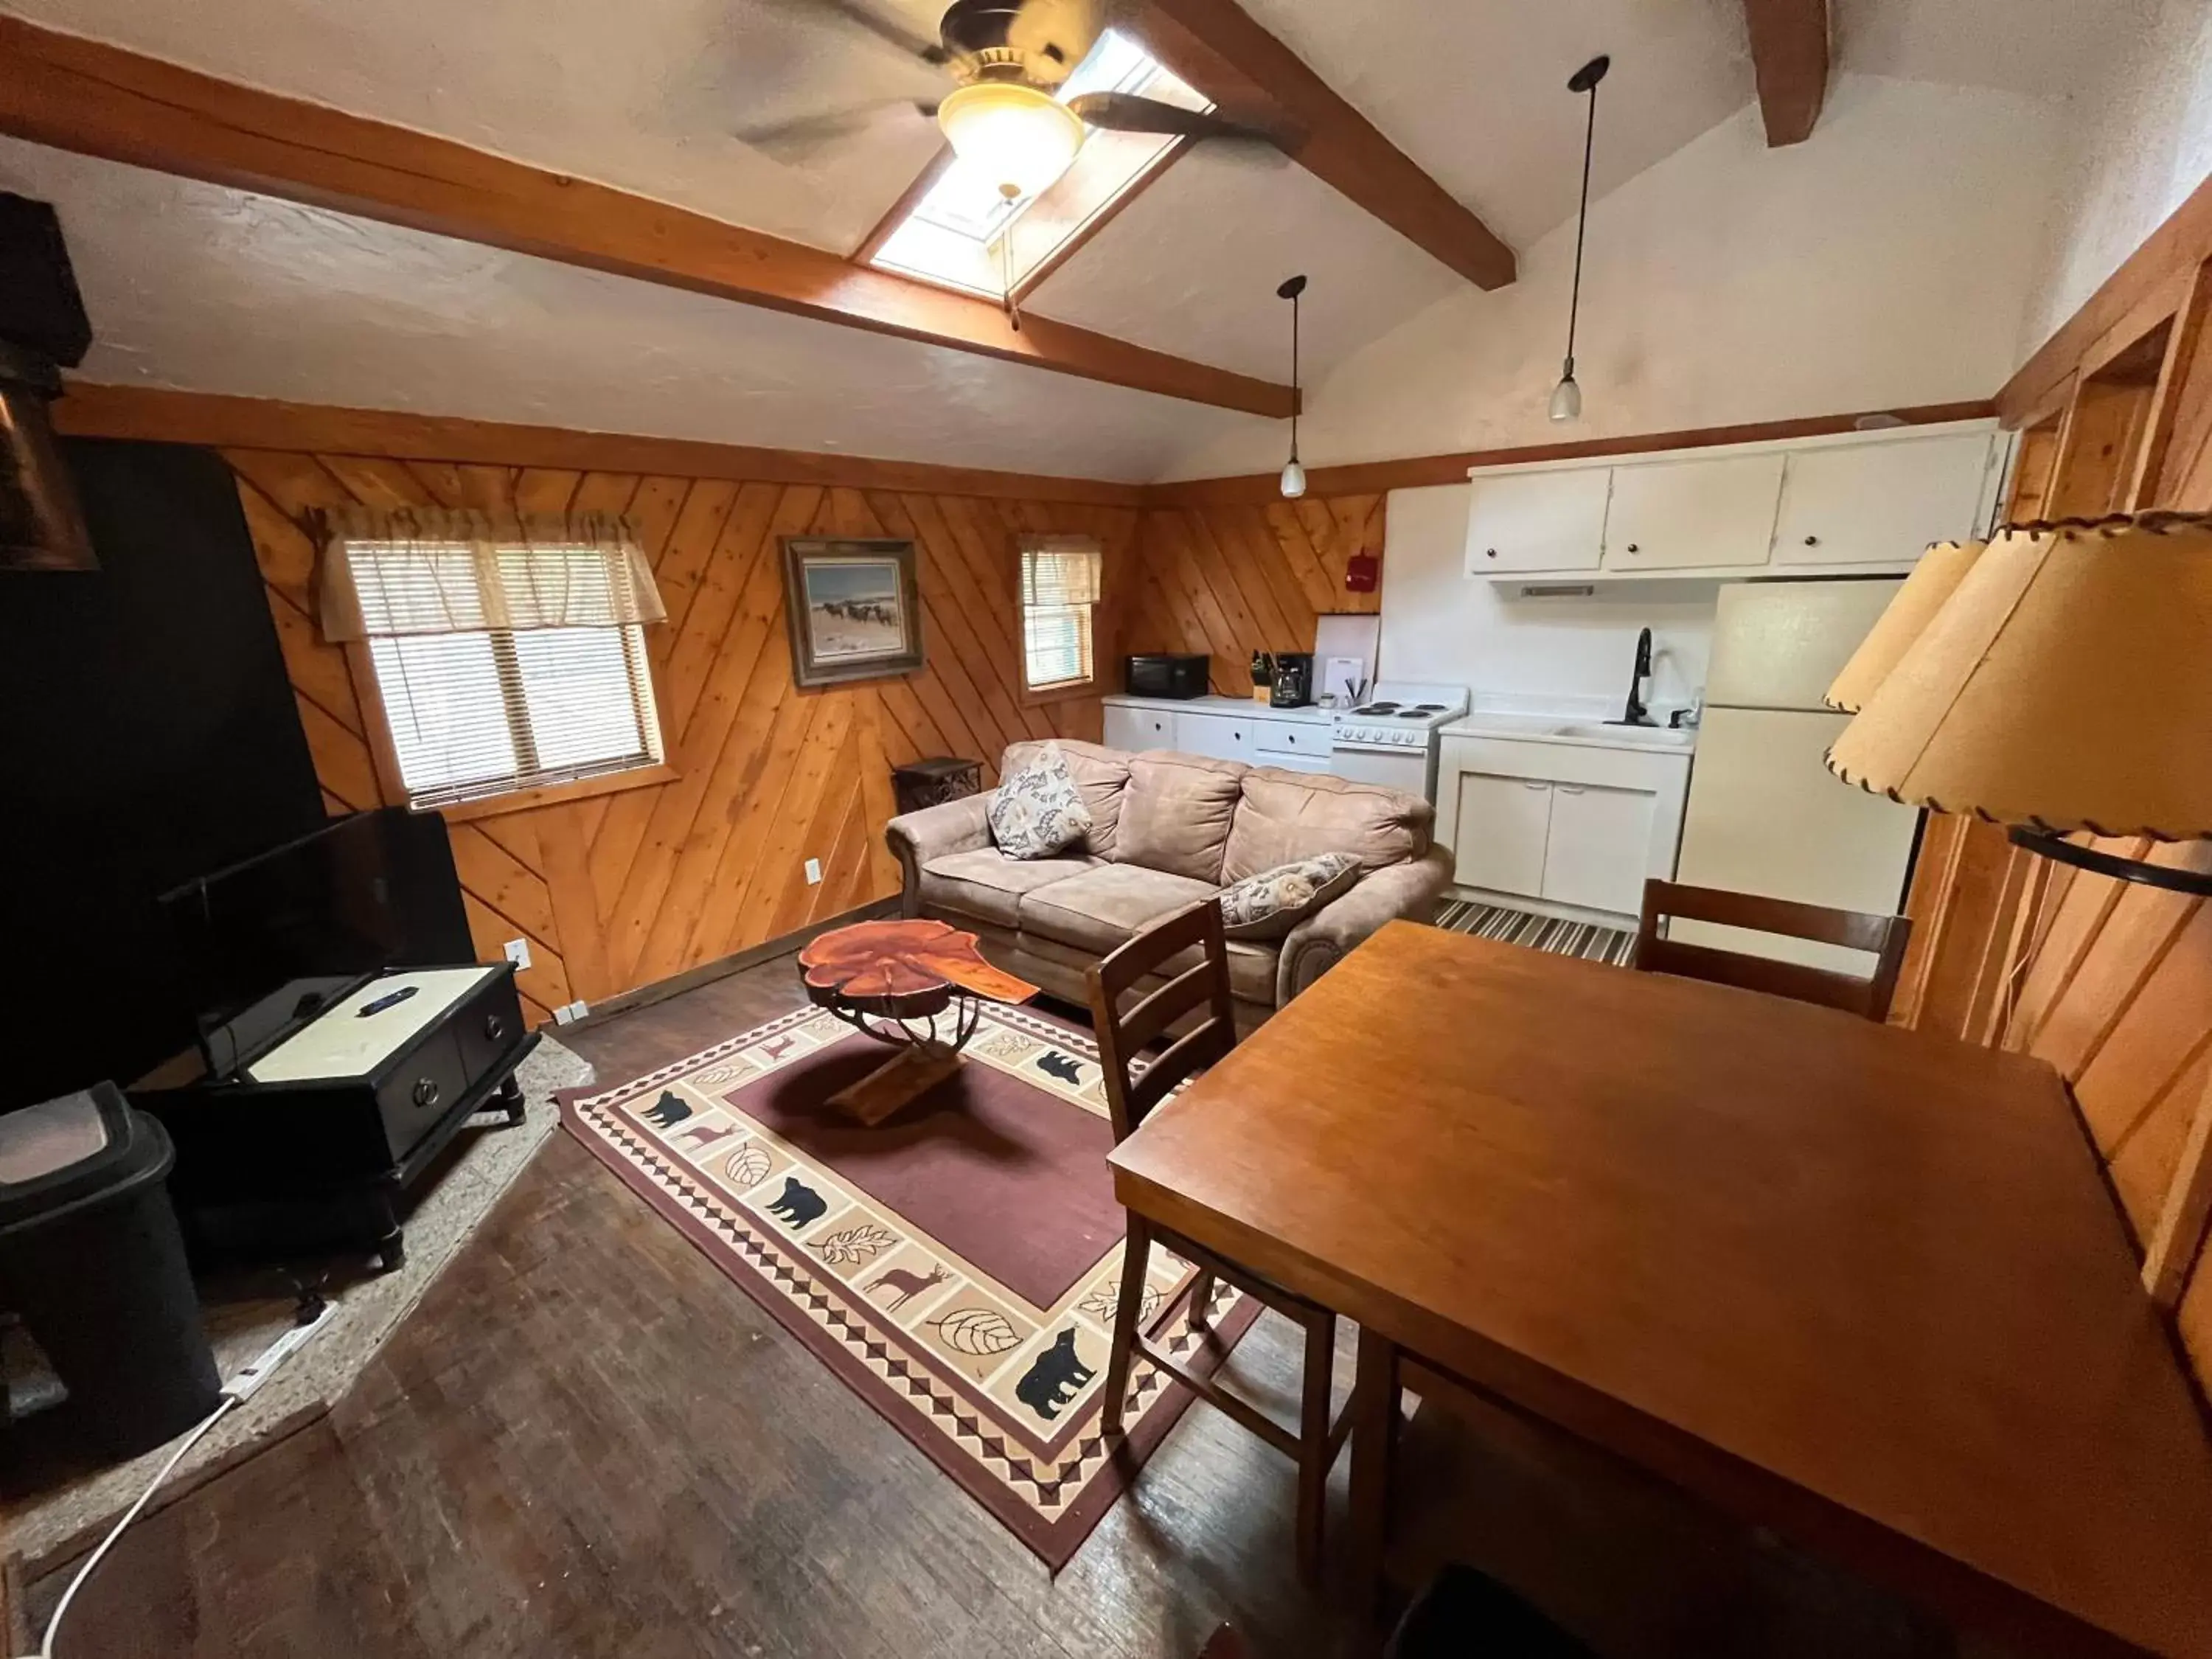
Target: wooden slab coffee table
x,y
918,985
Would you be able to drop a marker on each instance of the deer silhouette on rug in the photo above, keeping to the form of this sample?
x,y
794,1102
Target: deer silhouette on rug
x,y
907,1283
1054,1378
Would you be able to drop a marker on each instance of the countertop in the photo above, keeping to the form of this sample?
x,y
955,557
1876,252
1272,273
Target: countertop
x,y
1242,707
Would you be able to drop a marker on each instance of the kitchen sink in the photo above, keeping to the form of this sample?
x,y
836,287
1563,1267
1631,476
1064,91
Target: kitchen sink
x,y
1653,736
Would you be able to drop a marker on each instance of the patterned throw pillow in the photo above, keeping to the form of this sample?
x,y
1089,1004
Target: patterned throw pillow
x,y
1039,811
1268,905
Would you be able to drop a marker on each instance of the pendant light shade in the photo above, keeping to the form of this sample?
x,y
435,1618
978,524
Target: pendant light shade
x,y
1011,135
1294,474
1567,396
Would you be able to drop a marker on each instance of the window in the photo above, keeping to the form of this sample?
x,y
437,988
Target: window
x,y
957,234
502,661
1060,589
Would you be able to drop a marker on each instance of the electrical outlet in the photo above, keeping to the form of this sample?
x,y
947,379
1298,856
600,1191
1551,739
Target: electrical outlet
x,y
813,871
564,1013
518,952
574,1011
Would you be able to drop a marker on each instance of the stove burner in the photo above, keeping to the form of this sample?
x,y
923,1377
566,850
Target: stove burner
x,y
1427,709
1377,709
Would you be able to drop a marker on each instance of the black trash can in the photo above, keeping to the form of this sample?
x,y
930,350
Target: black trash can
x,y
92,1259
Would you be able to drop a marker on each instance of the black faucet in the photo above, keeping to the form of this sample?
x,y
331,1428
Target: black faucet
x,y
1636,714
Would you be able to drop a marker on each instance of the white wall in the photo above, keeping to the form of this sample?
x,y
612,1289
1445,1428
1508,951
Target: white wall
x,y
1440,624
2139,141
1888,261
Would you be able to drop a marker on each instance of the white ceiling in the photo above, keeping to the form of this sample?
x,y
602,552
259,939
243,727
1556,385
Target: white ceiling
x,y
198,287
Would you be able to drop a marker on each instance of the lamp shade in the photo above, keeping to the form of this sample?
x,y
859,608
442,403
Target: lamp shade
x,y
1933,580
2065,685
1010,134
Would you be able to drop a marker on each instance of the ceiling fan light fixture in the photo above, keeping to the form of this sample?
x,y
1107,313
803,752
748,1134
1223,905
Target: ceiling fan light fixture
x,y
1011,133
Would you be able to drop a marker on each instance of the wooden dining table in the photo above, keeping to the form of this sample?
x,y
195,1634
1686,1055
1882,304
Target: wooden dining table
x,y
1862,1285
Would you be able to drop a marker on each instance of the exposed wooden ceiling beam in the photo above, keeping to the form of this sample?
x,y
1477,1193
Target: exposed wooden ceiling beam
x,y
1789,56
84,95
1259,81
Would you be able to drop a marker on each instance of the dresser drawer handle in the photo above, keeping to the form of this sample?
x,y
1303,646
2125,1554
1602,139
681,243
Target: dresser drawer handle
x,y
426,1091
494,1028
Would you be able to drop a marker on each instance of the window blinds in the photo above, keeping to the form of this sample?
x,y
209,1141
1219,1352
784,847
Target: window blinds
x,y
1060,585
508,654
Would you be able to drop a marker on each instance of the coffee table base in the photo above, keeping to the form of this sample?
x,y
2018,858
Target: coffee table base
x,y
896,1084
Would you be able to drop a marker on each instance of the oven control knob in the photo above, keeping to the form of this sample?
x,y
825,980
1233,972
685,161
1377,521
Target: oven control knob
x,y
426,1092
494,1028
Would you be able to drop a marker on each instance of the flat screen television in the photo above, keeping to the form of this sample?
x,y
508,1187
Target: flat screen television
x,y
264,943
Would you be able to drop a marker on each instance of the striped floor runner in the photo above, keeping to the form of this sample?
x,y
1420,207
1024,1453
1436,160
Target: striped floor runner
x,y
1566,938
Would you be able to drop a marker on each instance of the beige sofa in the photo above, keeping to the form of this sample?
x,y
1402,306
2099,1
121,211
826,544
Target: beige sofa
x,y
1169,828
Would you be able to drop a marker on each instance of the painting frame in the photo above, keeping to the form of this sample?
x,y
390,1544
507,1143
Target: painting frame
x,y
853,609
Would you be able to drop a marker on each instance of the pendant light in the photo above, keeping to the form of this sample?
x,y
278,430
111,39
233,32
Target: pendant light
x,y
1294,474
1567,396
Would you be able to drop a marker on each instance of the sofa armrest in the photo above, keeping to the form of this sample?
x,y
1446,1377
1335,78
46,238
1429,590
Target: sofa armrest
x,y
915,838
1316,944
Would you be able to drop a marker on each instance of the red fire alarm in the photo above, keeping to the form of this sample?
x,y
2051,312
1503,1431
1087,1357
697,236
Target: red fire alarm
x,y
1359,572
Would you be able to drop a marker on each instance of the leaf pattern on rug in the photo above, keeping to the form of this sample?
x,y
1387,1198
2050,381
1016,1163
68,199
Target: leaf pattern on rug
x,y
747,1165
854,1244
1104,1299
980,1332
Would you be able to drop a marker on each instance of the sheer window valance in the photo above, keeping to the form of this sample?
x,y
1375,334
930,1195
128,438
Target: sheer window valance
x,y
1060,570
384,575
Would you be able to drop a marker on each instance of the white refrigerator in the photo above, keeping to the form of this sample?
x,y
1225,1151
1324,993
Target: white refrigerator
x,y
1765,814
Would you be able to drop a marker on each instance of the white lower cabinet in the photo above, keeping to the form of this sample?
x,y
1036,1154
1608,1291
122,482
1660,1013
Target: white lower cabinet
x,y
1221,736
1575,829
1507,819
1138,728
1593,855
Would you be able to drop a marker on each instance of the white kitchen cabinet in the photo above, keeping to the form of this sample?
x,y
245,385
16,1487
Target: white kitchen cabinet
x,y
1547,521
1594,851
1290,743
1881,503
1221,736
1138,728
1697,513
1502,825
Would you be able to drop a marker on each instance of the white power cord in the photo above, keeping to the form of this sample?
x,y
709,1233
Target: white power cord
x,y
240,1388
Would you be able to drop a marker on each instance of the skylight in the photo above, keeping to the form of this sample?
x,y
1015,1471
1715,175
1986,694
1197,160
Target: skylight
x,y
955,234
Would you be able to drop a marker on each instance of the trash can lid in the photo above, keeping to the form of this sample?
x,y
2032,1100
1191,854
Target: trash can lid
x,y
63,1152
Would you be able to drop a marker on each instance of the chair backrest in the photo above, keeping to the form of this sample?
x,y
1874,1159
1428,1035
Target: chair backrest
x,y
1885,936
1121,1037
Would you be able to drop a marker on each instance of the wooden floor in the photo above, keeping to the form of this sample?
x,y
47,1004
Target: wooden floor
x,y
587,1441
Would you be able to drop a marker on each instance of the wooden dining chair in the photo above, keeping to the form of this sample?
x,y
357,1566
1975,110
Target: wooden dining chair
x,y
1131,1095
1885,937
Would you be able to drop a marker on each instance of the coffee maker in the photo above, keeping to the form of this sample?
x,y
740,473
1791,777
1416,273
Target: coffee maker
x,y
1294,679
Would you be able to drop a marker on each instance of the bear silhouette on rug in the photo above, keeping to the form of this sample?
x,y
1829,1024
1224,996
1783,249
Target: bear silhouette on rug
x,y
798,1204
1055,1378
668,1111
1063,1066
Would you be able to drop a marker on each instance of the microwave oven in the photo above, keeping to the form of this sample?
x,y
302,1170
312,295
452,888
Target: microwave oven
x,y
1166,674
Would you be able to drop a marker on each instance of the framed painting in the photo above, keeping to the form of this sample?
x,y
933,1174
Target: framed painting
x,y
854,611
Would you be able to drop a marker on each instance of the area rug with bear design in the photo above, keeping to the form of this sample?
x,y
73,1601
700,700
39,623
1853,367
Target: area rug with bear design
x,y
957,1265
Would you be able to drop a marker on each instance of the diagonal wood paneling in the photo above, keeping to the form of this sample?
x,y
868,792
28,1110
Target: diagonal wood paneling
x,y
621,891
1230,579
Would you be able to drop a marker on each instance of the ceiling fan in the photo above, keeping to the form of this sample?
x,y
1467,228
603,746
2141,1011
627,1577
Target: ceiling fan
x,y
1007,59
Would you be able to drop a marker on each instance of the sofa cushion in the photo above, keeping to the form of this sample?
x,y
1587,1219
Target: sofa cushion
x,y
1284,816
987,885
1099,909
1037,811
1100,773
1176,814
1268,905
1061,968
1252,963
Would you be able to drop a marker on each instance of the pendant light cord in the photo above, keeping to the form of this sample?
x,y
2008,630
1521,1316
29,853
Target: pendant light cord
x,y
1295,398
1582,226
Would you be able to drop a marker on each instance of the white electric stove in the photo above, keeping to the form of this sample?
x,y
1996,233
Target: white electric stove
x,y
1391,739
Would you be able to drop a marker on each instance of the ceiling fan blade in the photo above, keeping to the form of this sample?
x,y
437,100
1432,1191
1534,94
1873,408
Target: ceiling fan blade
x,y
1122,111
805,129
856,15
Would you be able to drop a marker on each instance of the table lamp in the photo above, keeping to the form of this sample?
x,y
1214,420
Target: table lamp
x,y
2064,684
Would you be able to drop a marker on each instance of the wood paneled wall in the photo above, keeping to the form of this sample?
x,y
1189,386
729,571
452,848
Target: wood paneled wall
x,y
1233,578
622,890
2110,982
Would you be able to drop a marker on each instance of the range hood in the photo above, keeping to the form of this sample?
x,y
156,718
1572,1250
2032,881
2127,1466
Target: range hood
x,y
43,330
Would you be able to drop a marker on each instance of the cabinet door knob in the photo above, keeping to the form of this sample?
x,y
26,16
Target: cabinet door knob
x,y
1489,552
495,1027
426,1091
1634,547
1812,541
